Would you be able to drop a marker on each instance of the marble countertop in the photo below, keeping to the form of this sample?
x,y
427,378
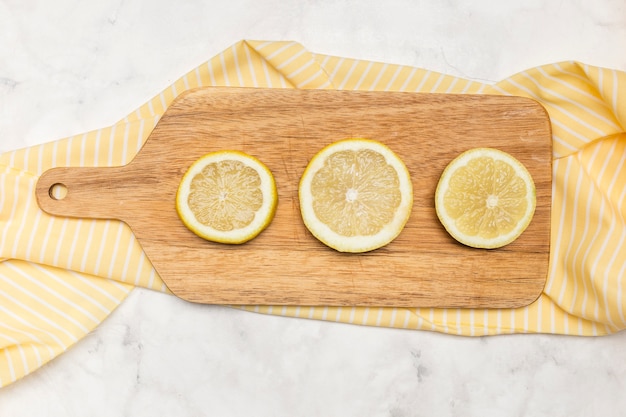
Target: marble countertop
x,y
71,66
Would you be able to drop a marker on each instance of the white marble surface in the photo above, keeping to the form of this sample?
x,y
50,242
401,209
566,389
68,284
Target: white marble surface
x,y
70,66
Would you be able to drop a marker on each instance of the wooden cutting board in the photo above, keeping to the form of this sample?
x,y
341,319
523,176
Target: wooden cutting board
x,y
286,265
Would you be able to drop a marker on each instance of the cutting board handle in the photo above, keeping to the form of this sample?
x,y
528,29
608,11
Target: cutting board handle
x,y
87,192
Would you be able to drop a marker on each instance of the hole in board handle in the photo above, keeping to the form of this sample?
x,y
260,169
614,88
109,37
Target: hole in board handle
x,y
57,191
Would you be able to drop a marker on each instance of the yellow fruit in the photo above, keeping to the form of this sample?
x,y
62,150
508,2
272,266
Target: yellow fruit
x,y
355,195
227,197
485,198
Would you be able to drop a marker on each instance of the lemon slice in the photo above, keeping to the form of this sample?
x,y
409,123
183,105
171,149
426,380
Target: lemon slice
x,y
355,195
227,197
485,198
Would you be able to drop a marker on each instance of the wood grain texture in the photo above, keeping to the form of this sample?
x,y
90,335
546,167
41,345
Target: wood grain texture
x,y
285,264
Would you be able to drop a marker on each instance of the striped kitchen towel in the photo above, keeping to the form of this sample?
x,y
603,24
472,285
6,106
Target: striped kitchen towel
x,y
60,277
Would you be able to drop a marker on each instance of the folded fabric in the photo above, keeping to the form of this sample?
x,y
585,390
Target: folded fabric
x,y
60,277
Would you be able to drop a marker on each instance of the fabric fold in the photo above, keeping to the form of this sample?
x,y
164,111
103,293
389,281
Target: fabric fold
x,y
60,277
581,101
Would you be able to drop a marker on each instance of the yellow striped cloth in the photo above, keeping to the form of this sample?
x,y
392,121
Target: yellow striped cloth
x,y
59,277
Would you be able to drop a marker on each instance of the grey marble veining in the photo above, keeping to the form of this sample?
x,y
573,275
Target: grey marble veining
x,y
68,66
